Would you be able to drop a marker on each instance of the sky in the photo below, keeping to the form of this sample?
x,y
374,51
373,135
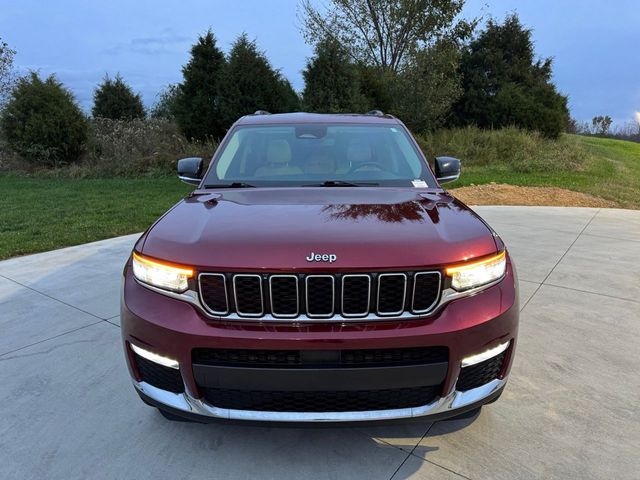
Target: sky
x,y
595,45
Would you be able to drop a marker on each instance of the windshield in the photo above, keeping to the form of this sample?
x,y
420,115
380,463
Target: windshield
x,y
319,154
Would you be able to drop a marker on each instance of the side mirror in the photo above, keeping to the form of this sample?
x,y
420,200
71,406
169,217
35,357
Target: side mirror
x,y
190,170
447,169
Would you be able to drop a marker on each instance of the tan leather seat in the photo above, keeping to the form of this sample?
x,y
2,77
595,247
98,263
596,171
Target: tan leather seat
x,y
359,152
320,164
277,161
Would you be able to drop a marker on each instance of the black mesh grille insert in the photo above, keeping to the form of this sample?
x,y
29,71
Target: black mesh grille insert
x,y
159,376
477,375
426,291
355,294
391,293
327,358
213,291
320,296
284,295
322,401
248,294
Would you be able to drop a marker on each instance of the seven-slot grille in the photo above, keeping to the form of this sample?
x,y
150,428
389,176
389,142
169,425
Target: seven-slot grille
x,y
350,296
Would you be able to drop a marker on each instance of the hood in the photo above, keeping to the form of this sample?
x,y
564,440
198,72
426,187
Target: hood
x,y
278,228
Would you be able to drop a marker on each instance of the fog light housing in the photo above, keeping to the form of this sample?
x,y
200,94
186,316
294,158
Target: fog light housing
x,y
155,358
486,355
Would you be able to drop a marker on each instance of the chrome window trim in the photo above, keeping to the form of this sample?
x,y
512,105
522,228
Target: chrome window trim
x,y
413,295
365,312
235,295
287,315
333,296
446,296
226,293
404,294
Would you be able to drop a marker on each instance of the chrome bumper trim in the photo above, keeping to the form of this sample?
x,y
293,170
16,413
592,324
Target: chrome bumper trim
x,y
186,403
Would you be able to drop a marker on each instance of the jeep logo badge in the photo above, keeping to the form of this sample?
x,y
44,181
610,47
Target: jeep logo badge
x,y
324,257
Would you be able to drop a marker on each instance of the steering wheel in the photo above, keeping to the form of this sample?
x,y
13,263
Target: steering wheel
x,y
358,166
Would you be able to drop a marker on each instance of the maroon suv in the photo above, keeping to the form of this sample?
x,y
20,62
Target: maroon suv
x,y
319,272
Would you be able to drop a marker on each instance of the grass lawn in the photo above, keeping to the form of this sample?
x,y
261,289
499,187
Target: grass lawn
x,y
611,171
48,212
39,214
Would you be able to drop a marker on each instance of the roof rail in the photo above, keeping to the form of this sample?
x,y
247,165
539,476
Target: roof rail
x,y
261,112
375,113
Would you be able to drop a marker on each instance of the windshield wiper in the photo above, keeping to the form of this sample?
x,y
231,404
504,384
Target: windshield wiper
x,y
340,183
231,185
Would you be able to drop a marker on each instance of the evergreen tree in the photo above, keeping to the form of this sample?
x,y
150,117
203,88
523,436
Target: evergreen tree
x,y
504,84
114,99
197,103
250,83
43,123
331,80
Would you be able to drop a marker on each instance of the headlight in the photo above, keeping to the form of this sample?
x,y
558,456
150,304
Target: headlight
x,y
476,274
160,274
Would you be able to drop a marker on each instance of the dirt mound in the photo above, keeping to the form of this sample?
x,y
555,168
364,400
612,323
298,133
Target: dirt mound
x,y
501,194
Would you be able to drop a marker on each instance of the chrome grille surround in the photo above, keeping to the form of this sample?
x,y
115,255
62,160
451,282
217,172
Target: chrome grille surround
x,y
273,310
364,312
226,294
235,294
404,293
333,295
332,307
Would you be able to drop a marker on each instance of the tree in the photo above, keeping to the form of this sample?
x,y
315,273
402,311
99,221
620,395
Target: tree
x,y
331,80
115,99
250,83
165,106
601,124
43,123
383,33
505,85
197,103
427,86
6,71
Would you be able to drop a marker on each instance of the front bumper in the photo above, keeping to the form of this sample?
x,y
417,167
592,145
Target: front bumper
x,y
466,326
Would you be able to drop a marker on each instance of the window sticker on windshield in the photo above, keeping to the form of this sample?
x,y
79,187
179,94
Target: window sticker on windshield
x,y
394,130
418,183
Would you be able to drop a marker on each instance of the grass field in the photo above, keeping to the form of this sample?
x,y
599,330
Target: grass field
x,y
39,213
602,167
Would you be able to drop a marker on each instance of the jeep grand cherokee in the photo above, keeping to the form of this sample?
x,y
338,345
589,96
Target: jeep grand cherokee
x,y
319,272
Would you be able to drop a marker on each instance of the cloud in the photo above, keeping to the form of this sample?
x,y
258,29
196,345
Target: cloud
x,y
637,117
165,42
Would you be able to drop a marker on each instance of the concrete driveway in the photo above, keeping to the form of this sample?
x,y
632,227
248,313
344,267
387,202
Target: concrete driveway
x,y
571,409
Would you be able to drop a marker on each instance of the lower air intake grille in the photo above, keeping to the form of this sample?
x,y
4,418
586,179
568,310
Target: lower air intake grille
x,y
161,377
375,357
480,374
322,401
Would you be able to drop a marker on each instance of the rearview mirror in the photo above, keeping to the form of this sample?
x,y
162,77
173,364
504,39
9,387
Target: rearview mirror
x,y
190,170
447,169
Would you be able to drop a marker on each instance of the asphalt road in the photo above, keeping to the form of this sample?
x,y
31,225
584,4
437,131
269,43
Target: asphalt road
x,y
570,410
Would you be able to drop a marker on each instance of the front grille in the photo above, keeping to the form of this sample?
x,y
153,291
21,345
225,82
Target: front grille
x,y
321,401
318,296
376,357
481,373
159,376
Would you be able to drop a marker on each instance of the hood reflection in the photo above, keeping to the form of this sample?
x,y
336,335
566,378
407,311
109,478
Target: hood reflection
x,y
393,213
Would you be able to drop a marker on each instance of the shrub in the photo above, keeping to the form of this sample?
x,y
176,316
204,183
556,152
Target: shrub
x,y
114,99
42,122
137,147
510,148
